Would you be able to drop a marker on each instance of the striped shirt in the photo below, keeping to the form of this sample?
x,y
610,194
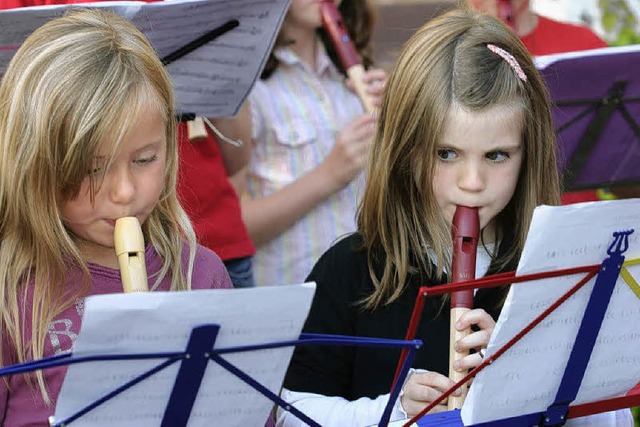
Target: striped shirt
x,y
296,114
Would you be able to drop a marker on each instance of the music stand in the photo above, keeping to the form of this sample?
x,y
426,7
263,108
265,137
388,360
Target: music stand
x,y
560,410
146,346
520,390
596,95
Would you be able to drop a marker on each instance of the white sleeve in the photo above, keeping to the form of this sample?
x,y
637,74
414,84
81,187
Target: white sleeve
x,y
331,411
619,418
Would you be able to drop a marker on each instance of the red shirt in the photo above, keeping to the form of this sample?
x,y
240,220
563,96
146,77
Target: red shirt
x,y
551,36
209,199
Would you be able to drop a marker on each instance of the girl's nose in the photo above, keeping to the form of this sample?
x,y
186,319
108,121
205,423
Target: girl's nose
x,y
471,177
122,186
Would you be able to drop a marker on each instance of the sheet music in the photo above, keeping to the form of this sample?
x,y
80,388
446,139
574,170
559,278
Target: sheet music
x,y
213,80
544,61
162,322
526,378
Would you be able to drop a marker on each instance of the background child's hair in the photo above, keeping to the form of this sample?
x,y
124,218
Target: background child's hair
x,y
446,64
75,83
359,18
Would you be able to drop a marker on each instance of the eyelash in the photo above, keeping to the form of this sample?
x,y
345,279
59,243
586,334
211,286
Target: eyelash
x,y
506,156
146,160
143,161
442,152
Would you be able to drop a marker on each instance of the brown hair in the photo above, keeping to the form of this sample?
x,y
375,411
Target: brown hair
x,y
359,19
445,62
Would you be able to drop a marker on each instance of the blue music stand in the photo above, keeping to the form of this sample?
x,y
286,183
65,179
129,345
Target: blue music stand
x,y
560,410
200,350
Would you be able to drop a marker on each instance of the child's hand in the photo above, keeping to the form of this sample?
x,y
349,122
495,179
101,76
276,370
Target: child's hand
x,y
423,388
375,80
475,340
348,155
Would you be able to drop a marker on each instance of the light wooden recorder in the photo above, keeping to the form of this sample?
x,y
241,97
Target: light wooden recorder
x,y
465,231
129,245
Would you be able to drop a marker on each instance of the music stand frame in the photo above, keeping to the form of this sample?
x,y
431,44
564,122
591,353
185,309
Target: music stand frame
x,y
194,360
560,410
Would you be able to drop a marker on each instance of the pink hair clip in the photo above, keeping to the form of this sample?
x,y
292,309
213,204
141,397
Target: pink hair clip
x,y
510,60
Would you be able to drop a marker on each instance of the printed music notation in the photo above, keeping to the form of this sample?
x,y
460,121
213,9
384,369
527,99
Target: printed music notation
x,y
161,322
213,80
526,378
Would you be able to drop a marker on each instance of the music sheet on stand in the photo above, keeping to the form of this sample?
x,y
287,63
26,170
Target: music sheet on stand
x,y
526,378
545,61
162,322
213,80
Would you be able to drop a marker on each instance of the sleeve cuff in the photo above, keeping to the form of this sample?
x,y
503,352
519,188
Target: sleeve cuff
x,y
398,406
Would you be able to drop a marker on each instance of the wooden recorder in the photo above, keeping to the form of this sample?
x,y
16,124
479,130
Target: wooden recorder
x,y
129,245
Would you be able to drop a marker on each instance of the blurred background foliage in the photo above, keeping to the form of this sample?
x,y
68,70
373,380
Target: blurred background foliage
x,y
620,24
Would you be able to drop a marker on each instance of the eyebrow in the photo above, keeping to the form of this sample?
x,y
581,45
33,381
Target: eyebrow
x,y
152,144
147,146
505,147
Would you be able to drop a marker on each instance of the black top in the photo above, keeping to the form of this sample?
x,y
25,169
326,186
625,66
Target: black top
x,y
342,278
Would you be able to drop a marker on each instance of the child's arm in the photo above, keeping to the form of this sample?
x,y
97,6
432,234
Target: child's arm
x,y
267,217
4,396
334,411
7,360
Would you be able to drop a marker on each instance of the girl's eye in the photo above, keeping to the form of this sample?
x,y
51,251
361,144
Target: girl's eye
x,y
498,156
446,154
146,160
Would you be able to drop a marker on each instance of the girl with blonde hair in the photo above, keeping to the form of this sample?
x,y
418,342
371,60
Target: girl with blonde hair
x,y
87,135
465,121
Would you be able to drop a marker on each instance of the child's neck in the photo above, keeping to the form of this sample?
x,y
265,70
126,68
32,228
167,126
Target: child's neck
x,y
526,22
304,44
488,234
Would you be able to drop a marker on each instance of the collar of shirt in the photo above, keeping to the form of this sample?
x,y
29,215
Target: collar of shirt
x,y
483,258
287,56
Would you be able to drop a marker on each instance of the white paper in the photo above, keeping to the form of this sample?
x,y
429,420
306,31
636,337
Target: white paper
x,y
544,61
213,80
162,322
526,378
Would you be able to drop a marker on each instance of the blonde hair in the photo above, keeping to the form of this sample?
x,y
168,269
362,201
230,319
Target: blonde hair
x,y
75,82
447,62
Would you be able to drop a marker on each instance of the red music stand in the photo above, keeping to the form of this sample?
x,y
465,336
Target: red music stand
x,y
559,411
